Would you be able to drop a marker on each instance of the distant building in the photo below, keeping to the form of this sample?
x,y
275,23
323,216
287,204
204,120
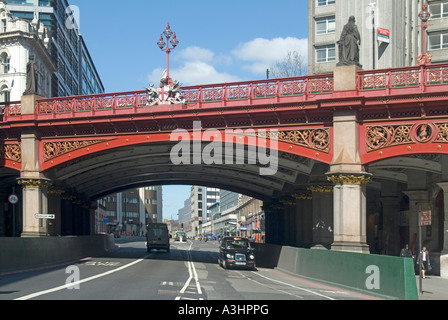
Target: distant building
x,y
20,40
132,210
76,73
394,41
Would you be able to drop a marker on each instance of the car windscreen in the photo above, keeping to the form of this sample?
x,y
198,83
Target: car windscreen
x,y
237,244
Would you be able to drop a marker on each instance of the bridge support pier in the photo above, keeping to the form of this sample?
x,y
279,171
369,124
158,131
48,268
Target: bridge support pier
x,y
350,191
35,202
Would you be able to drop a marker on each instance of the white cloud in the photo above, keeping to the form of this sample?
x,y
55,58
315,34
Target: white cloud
x,y
200,65
263,53
196,54
198,68
194,73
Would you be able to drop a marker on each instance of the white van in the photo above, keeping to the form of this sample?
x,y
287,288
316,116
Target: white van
x,y
157,237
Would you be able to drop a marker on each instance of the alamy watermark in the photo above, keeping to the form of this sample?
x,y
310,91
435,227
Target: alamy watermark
x,y
73,21
72,281
232,146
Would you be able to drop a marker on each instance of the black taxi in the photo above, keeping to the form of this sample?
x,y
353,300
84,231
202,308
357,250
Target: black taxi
x,y
236,252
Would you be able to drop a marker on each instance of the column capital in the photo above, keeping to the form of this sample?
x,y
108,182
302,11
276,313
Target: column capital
x,y
443,186
362,178
34,183
303,196
417,195
321,189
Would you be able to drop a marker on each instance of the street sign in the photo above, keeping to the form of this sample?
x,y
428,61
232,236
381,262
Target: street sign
x,y
384,35
13,199
425,218
45,216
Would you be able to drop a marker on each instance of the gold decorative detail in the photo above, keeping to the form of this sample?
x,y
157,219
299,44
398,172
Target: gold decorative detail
x,y
349,179
11,152
317,139
321,189
58,148
68,197
303,196
34,183
288,202
56,191
379,137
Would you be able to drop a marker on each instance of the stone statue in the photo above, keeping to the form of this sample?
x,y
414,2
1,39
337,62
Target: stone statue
x,y
349,44
31,77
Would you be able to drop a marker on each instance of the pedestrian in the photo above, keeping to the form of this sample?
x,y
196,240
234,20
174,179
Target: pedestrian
x,y
406,253
423,259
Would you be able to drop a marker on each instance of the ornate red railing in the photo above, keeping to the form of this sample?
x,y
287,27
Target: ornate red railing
x,y
408,77
259,92
10,109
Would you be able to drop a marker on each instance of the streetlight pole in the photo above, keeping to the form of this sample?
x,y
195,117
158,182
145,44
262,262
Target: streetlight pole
x,y
161,43
373,5
424,15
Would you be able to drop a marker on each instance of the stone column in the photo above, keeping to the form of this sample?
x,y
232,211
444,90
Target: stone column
x,y
444,253
34,183
418,200
55,207
350,213
304,222
35,201
322,215
391,224
350,179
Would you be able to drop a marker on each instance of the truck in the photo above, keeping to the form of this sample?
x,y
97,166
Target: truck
x,y
157,237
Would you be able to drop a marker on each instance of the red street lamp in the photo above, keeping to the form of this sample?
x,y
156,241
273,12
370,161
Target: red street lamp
x,y
424,15
161,43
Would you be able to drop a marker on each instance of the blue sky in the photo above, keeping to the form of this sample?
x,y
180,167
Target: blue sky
x,y
220,41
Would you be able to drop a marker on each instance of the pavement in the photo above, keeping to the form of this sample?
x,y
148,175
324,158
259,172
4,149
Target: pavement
x,y
433,288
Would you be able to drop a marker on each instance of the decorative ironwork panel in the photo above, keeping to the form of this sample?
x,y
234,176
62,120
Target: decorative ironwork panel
x,y
58,148
379,137
316,139
437,75
12,151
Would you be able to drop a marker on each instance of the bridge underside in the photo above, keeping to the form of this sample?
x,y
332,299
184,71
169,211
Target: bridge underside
x,y
299,200
355,167
151,164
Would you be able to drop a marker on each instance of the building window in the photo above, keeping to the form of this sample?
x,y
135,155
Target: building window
x,y
439,9
438,40
321,3
5,63
326,53
325,25
5,94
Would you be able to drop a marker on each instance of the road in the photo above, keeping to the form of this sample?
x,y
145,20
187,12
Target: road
x,y
189,272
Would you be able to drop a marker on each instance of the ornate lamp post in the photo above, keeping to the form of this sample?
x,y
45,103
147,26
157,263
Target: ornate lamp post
x,y
424,15
161,43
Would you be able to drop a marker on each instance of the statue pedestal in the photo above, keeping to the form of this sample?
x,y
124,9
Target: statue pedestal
x,y
345,78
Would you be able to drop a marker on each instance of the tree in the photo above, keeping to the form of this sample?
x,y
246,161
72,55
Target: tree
x,y
293,65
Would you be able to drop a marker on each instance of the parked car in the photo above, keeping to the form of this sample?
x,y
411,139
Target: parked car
x,y
236,252
157,236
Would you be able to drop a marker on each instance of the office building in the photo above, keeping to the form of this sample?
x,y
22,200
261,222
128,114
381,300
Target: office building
x,y
130,211
76,73
19,41
391,32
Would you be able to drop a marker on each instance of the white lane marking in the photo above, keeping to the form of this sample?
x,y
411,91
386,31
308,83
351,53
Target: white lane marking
x,y
192,275
293,286
44,292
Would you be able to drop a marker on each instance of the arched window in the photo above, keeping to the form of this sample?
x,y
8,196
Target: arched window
x,y
5,93
5,61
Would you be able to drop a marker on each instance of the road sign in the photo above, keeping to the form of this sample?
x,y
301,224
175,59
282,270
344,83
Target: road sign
x,y
425,218
45,216
384,35
13,199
